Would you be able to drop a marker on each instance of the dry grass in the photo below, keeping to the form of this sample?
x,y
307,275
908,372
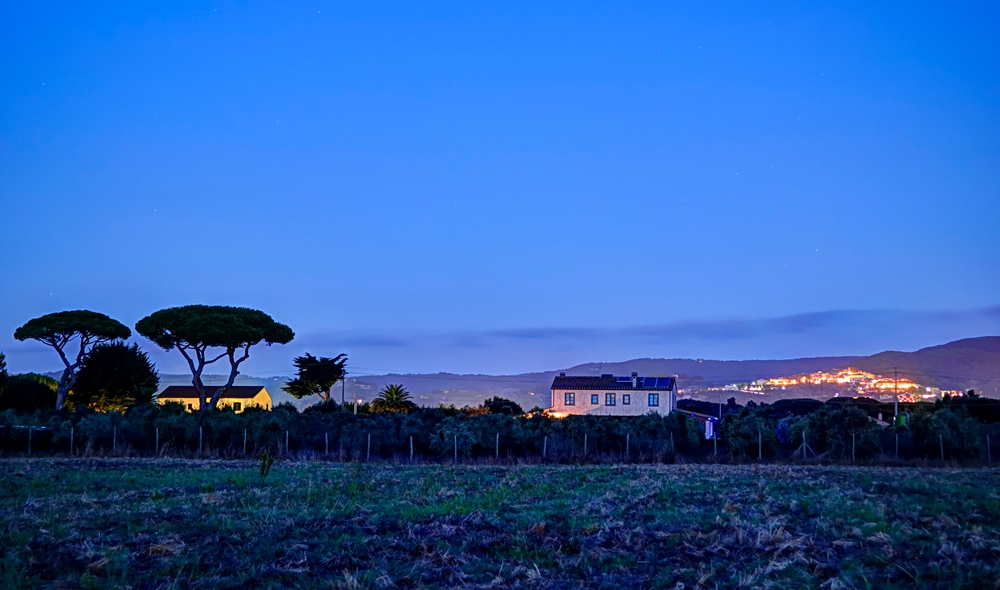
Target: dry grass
x,y
163,524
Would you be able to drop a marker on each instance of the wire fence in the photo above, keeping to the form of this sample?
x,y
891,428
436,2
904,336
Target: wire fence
x,y
480,446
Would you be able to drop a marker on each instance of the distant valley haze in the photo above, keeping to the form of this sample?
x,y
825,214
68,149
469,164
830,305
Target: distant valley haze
x,y
515,351
963,364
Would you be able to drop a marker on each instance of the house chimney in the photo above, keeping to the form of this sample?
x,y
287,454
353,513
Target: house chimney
x,y
635,379
562,374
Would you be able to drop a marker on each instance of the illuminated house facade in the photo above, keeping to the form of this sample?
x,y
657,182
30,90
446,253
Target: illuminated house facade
x,y
609,395
238,398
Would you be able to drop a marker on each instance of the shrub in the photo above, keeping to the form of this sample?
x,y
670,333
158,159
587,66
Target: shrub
x,y
753,425
28,393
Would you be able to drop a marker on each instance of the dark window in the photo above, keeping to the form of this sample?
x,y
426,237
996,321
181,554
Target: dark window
x,y
594,399
626,399
609,399
570,399
237,406
654,399
191,407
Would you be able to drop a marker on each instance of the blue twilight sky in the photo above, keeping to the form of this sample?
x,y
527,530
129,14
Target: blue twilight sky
x,y
507,186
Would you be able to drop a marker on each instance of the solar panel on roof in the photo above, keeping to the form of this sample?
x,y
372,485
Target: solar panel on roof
x,y
624,379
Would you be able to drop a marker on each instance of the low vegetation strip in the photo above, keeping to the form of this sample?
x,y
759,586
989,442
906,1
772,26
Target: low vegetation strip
x,y
146,523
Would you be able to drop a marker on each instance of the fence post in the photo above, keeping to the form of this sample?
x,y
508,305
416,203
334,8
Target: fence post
x,y
897,446
853,447
30,430
326,443
760,445
585,444
114,438
71,433
244,442
628,439
368,457
411,448
156,447
989,456
941,442
286,442
455,459
497,451
545,447
715,444
199,439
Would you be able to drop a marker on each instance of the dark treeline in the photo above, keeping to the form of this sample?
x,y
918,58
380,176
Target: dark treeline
x,y
327,430
956,429
104,404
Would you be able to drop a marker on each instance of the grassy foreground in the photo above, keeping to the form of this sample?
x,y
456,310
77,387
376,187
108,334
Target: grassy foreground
x,y
166,523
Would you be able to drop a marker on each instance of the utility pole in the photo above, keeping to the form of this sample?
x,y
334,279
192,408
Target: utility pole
x,y
343,388
720,405
895,391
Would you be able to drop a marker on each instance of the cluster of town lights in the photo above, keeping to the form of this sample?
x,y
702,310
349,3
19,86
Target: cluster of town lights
x,y
856,381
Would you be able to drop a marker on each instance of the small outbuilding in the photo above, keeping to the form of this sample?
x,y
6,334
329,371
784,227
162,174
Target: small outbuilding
x,y
238,397
609,395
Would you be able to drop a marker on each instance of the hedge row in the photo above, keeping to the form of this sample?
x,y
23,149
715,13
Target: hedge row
x,y
835,432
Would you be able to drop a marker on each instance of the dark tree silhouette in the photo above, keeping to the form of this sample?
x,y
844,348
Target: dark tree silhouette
x,y
195,329
59,329
115,377
28,393
316,376
499,405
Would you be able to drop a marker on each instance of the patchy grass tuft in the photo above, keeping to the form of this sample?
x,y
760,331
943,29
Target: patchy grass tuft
x,y
169,523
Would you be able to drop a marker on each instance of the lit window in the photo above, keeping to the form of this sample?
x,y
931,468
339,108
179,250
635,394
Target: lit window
x,y
237,406
570,399
594,399
609,399
654,399
626,399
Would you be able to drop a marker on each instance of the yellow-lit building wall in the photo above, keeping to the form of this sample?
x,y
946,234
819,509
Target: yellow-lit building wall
x,y
261,400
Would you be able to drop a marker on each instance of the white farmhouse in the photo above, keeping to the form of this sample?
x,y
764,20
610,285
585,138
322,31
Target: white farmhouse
x,y
608,395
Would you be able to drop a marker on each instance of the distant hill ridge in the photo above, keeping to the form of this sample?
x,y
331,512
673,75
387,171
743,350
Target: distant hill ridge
x,y
971,363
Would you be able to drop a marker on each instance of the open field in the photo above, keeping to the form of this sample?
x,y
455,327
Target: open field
x,y
167,523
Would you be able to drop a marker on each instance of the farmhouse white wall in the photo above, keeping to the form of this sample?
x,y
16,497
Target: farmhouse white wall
x,y
638,407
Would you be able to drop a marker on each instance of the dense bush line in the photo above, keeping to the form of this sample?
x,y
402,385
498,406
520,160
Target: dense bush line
x,y
841,430
437,433
833,432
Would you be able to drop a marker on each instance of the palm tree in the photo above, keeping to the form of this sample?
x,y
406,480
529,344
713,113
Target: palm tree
x,y
393,398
